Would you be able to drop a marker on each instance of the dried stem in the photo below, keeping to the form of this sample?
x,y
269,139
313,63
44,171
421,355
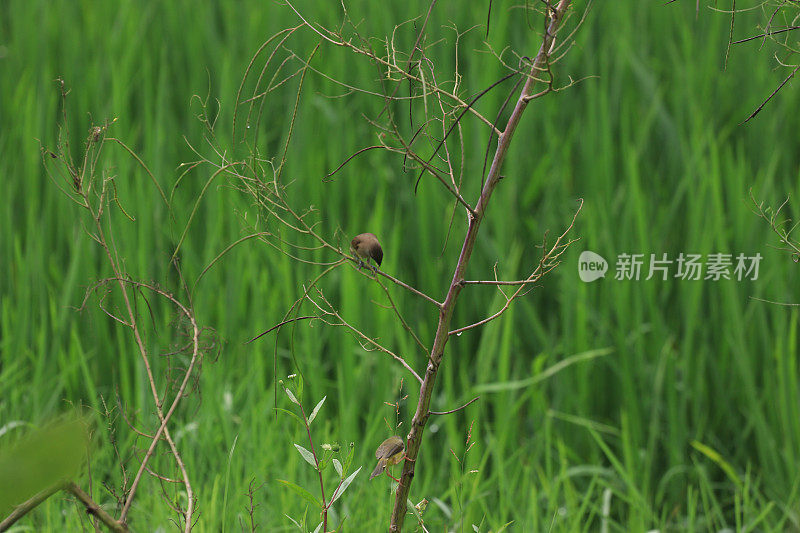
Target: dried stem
x,y
94,509
91,506
95,190
422,413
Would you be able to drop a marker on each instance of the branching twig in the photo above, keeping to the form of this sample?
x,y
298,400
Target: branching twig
x,y
772,217
548,262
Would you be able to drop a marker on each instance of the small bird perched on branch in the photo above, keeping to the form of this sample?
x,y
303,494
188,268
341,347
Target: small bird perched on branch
x,y
367,246
390,452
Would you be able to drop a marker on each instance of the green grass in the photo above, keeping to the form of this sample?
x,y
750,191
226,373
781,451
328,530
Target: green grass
x,y
688,423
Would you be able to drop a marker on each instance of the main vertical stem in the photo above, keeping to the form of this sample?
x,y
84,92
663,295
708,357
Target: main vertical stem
x,y
422,413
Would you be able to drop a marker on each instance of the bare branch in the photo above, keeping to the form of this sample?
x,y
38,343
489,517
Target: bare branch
x,y
554,17
96,510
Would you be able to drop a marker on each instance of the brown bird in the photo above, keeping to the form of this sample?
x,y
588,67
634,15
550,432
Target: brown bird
x,y
390,452
367,246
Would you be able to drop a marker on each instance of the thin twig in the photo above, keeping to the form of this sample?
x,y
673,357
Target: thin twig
x,y
342,322
765,34
476,398
280,324
407,287
402,320
394,68
784,82
495,282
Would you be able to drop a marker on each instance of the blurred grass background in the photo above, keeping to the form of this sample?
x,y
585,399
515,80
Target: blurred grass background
x,y
688,422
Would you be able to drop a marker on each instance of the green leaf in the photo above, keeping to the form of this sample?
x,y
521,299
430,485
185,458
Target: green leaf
x,y
715,456
291,396
298,385
295,522
413,508
345,484
316,410
555,369
349,459
302,492
307,455
43,458
293,415
338,466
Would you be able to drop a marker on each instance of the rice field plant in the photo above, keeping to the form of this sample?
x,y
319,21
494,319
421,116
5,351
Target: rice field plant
x,y
613,405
